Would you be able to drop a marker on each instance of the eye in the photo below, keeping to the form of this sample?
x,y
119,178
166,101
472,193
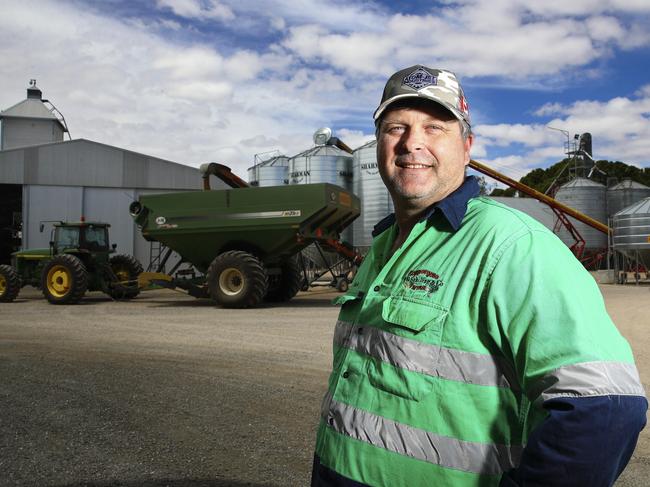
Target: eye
x,y
395,129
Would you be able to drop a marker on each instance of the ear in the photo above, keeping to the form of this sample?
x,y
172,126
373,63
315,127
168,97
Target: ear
x,y
468,147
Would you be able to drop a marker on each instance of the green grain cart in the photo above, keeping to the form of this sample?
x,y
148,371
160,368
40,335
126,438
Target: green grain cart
x,y
244,240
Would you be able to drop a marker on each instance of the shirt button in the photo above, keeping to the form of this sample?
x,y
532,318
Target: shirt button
x,y
346,374
376,289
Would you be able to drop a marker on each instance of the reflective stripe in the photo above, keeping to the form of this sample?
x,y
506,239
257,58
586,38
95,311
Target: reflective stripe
x,y
478,458
589,379
433,360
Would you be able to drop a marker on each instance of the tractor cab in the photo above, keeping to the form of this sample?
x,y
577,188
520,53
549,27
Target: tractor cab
x,y
88,236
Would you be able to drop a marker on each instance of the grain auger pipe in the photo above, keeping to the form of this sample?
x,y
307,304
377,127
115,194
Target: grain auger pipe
x,y
222,172
553,203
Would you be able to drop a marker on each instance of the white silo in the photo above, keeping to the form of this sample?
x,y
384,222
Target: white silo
x,y
590,198
270,172
624,194
376,202
33,121
326,162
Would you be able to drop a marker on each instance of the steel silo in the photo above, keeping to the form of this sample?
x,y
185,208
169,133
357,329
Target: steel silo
x,y
271,172
631,228
587,197
624,194
322,164
376,202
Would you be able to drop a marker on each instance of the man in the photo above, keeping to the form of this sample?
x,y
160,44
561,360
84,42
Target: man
x,y
472,348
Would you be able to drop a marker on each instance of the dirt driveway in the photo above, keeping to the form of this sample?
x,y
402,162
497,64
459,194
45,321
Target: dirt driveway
x,y
167,390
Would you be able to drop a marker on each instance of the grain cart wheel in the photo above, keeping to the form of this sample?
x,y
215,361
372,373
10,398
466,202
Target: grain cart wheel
x,y
286,285
125,268
64,279
237,279
9,284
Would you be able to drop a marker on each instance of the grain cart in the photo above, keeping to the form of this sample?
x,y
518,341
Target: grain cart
x,y
243,241
78,260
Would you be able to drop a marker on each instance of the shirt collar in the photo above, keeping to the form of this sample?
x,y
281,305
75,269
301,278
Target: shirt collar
x,y
453,207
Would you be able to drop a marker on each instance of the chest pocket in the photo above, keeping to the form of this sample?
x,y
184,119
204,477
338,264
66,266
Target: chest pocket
x,y
412,334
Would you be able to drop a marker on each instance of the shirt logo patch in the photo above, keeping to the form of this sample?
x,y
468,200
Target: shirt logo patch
x,y
423,280
420,78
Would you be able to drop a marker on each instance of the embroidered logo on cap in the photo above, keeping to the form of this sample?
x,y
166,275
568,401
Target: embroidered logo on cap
x,y
423,280
420,78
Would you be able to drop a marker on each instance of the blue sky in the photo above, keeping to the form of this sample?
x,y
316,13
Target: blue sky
x,y
218,80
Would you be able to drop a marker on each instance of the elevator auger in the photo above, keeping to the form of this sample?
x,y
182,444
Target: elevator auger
x,y
561,210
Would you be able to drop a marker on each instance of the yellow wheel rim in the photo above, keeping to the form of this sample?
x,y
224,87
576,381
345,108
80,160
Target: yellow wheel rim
x,y
122,274
59,281
231,281
3,285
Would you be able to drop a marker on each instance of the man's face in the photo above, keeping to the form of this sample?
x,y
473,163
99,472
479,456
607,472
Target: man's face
x,y
421,154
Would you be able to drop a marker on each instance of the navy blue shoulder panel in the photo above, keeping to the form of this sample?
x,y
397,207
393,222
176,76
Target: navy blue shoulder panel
x,y
383,225
321,476
454,206
585,441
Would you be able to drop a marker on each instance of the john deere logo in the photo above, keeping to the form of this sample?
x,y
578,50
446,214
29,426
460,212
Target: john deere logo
x,y
420,78
423,280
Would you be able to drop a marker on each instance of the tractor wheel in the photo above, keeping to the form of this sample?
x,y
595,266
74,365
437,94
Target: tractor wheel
x,y
125,268
64,279
237,279
286,285
9,284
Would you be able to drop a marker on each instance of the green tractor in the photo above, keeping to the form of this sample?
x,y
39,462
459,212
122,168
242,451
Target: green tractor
x,y
78,260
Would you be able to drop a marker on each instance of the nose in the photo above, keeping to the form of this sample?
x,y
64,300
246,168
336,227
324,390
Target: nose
x,y
413,139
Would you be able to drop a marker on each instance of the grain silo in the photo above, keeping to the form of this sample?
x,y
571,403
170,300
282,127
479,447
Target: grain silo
x,y
376,202
587,197
273,171
631,234
326,162
624,194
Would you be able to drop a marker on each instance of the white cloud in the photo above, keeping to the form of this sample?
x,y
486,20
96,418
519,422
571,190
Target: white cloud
x,y
198,9
176,96
620,129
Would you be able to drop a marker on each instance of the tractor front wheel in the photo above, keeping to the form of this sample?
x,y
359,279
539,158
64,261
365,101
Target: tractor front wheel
x,y
126,269
237,279
64,279
9,284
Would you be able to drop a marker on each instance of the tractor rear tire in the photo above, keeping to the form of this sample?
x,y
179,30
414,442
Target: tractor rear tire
x,y
237,279
64,279
9,284
287,284
126,268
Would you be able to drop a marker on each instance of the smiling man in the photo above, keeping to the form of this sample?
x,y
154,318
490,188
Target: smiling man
x,y
472,348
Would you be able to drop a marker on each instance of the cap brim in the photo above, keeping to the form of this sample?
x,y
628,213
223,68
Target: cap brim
x,y
382,108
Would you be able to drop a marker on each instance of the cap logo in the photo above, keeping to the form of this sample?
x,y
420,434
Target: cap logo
x,y
420,78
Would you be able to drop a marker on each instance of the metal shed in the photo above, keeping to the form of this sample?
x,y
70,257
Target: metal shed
x,y
67,180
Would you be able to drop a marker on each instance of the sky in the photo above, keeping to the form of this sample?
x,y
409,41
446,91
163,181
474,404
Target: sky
x,y
196,81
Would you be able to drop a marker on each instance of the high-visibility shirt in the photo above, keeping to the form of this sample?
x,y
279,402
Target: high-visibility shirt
x,y
450,354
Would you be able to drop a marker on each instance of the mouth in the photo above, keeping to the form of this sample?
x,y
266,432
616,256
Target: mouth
x,y
413,165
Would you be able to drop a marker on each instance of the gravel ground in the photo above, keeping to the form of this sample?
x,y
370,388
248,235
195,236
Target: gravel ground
x,y
167,390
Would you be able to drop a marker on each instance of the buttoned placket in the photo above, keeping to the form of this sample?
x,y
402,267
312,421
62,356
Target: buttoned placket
x,y
345,381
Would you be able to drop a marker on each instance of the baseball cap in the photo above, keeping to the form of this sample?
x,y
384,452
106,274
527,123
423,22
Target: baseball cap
x,y
438,85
